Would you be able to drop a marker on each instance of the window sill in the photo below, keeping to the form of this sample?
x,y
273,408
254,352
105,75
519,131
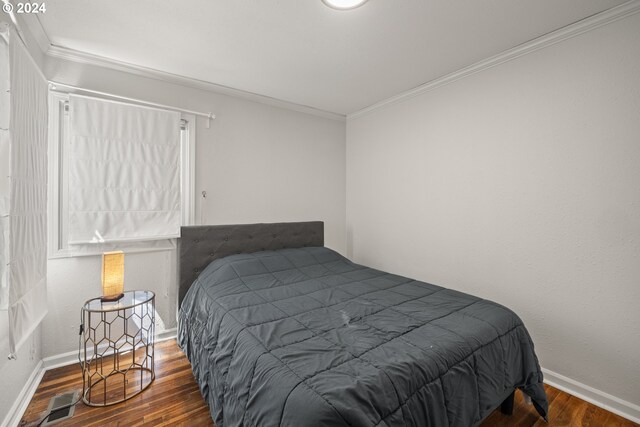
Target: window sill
x,y
127,247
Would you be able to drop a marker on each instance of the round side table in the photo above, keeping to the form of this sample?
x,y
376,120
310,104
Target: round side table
x,y
117,347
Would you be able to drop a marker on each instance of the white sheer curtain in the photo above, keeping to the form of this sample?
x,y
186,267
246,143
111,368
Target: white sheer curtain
x,y
25,233
5,169
124,172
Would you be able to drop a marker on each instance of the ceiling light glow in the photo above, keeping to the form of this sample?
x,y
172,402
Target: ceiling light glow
x,y
344,4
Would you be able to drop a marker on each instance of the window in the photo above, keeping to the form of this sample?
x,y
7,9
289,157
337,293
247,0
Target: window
x,y
60,164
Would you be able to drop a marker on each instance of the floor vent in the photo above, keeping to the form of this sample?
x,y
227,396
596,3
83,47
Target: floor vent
x,y
60,401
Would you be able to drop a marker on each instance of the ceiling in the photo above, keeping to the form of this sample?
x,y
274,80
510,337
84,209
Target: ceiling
x,y
303,52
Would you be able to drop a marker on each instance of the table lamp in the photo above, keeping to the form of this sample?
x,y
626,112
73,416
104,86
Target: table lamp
x,y
112,276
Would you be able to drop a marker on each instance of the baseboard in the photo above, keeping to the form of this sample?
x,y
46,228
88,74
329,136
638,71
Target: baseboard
x,y
26,394
71,357
597,397
594,396
167,334
12,419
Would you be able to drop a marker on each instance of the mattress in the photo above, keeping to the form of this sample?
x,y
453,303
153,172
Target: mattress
x,y
305,337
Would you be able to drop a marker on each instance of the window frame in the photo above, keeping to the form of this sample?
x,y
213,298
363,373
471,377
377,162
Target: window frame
x,y
58,197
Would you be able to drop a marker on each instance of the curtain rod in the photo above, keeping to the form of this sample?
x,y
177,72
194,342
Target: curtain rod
x,y
209,116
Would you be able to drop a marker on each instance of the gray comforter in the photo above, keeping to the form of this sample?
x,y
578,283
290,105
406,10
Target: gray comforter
x,y
304,337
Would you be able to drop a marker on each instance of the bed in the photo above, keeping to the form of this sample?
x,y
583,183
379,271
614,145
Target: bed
x,y
281,331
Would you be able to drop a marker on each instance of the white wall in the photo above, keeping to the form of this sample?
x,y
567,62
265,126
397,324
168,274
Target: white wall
x,y
258,163
519,184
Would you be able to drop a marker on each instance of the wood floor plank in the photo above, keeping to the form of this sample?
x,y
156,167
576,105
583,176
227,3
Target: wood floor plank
x,y
174,399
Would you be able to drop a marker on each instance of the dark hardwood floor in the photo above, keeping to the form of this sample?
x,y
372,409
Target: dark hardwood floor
x,y
565,410
174,399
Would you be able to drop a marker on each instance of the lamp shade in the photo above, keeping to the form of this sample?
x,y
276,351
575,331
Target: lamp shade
x,y
112,276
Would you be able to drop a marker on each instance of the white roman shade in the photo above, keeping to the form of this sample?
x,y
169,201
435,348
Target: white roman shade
x,y
24,230
124,172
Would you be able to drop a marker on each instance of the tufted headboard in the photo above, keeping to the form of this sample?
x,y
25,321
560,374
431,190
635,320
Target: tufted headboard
x,y
201,244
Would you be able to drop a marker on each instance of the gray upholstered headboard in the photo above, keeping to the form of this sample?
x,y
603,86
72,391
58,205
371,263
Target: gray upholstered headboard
x,y
201,244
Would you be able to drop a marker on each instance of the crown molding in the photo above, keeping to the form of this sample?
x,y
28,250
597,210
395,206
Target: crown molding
x,y
50,50
595,21
73,55
34,25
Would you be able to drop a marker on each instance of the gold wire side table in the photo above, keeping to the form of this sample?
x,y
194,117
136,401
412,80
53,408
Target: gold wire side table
x,y
118,348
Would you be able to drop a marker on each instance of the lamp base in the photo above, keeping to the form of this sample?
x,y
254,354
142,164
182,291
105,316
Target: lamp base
x,y
111,298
